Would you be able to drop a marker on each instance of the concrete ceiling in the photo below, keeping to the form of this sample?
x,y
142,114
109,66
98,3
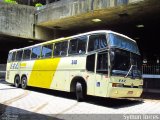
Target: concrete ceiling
x,y
112,16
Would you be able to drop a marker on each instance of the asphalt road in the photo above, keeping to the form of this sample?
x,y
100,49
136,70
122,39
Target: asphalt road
x,y
35,103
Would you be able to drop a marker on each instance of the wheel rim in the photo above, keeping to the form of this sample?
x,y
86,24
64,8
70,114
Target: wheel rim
x,y
79,91
17,81
24,83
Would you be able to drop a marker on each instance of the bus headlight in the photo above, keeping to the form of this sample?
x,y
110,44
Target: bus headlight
x,y
117,85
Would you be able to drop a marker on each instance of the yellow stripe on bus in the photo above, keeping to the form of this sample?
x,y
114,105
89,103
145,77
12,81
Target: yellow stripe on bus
x,y
43,72
23,65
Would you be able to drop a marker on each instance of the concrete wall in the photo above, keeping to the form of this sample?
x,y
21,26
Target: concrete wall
x,y
68,8
16,20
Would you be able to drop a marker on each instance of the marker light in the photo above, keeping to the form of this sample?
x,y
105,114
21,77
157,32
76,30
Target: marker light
x,y
140,26
96,20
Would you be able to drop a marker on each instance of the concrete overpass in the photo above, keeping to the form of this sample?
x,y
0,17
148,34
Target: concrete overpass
x,y
76,14
80,14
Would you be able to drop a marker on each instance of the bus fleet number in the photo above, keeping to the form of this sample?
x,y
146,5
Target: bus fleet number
x,y
74,62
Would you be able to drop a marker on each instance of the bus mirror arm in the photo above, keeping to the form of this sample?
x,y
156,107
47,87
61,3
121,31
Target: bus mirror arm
x,y
110,69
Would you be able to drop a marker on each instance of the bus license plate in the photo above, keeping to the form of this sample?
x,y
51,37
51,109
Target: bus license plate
x,y
130,92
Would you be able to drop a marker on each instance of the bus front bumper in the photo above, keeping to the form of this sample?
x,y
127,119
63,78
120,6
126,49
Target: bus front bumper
x,y
118,92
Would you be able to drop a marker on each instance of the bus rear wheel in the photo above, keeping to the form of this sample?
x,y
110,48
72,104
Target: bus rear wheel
x,y
80,92
17,81
24,82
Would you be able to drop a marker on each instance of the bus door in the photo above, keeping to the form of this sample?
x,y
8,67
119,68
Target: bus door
x,y
90,66
101,76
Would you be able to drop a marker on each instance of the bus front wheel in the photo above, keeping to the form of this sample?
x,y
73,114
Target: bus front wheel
x,y
17,81
24,82
79,91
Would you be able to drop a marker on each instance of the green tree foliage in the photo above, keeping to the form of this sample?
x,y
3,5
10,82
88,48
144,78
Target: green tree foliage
x,y
38,5
10,1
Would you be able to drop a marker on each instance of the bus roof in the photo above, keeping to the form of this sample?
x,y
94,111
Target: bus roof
x,y
74,36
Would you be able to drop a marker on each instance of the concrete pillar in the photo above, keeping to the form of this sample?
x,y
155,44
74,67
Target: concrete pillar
x,y
43,33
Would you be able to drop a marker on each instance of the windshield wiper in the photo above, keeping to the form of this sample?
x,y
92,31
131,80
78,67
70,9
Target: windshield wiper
x,y
134,72
129,70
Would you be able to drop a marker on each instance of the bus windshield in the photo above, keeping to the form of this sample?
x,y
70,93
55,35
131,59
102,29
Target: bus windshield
x,y
117,41
122,63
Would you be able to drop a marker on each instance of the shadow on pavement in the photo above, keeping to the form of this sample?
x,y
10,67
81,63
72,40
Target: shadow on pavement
x,y
13,113
113,103
105,102
63,94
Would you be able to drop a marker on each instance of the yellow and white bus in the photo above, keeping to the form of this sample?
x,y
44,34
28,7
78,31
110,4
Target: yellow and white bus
x,y
98,63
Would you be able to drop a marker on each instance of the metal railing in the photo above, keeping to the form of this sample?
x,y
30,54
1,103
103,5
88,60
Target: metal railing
x,y
151,69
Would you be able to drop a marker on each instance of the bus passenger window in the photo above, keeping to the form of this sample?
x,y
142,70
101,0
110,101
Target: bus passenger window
x,y
78,45
26,54
47,51
13,56
90,63
9,57
73,47
19,55
102,63
97,42
60,49
36,52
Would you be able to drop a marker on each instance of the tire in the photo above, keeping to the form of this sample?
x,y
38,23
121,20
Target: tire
x,y
24,82
79,92
17,81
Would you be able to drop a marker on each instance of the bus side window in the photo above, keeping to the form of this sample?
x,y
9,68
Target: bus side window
x,y
60,48
73,46
13,56
47,51
9,57
102,63
78,45
90,63
26,54
36,52
97,42
19,55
